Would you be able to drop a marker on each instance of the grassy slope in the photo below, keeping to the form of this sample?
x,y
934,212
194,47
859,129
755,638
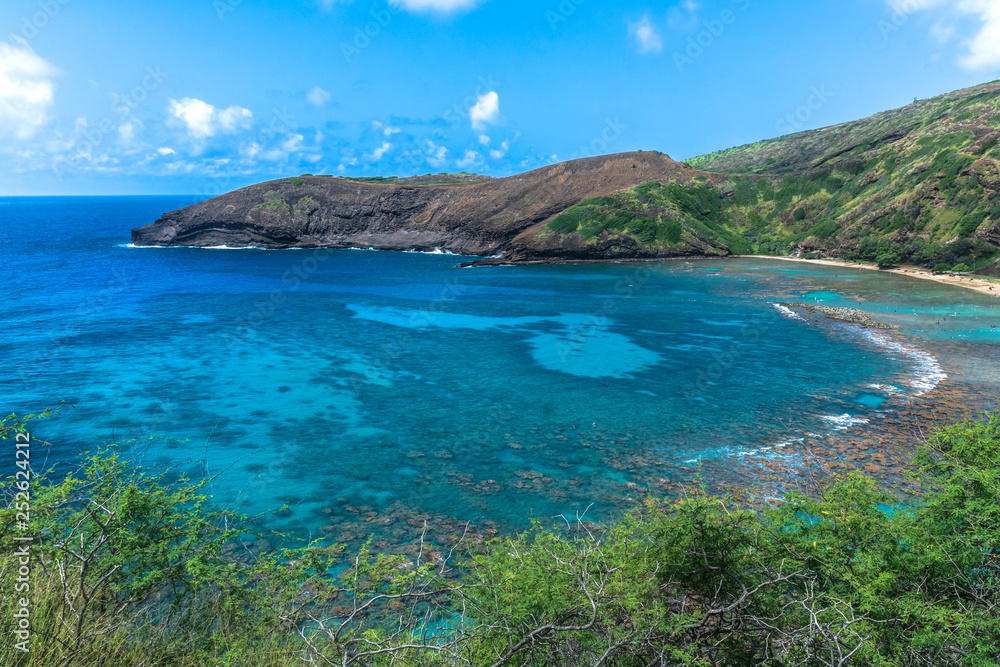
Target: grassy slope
x,y
921,183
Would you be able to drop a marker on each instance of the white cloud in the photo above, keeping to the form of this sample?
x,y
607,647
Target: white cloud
x,y
250,151
646,36
389,131
435,6
26,91
202,120
381,150
471,157
196,115
291,144
318,97
484,139
234,119
437,156
485,111
128,134
166,150
498,153
983,47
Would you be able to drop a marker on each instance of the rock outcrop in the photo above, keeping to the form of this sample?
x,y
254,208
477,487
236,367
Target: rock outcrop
x,y
495,217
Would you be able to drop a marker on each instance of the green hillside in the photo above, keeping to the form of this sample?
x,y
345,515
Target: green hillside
x,y
920,184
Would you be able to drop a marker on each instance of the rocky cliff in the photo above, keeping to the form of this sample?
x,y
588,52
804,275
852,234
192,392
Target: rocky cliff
x,y
498,216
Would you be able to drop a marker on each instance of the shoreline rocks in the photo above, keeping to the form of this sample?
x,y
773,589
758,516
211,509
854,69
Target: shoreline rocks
x,y
849,315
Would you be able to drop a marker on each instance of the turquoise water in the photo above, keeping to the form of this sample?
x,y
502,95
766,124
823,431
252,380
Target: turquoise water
x,y
329,380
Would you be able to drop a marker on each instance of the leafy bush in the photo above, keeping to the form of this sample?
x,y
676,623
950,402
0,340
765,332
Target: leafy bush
x,y
799,214
969,223
941,267
960,268
887,260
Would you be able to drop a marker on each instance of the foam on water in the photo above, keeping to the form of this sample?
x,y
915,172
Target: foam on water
x,y
845,421
928,371
788,312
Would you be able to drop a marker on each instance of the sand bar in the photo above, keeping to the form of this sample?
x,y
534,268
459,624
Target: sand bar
x,y
983,285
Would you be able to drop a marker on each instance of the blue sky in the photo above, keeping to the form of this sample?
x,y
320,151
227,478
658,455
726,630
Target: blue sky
x,y
204,96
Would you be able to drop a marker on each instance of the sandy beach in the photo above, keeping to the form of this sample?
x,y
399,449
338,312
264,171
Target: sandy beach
x,y
983,285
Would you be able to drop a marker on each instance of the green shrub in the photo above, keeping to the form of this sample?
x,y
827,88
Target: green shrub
x,y
960,268
799,214
941,267
887,260
969,223
275,205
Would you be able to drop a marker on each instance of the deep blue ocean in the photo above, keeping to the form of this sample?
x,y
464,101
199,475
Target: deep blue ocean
x,y
328,380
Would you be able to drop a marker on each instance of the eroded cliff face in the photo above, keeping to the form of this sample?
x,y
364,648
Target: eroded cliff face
x,y
502,216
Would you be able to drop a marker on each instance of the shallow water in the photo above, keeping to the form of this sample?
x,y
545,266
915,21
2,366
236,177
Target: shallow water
x,y
328,379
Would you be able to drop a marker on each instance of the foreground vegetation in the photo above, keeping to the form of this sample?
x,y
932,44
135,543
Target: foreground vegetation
x,y
131,567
